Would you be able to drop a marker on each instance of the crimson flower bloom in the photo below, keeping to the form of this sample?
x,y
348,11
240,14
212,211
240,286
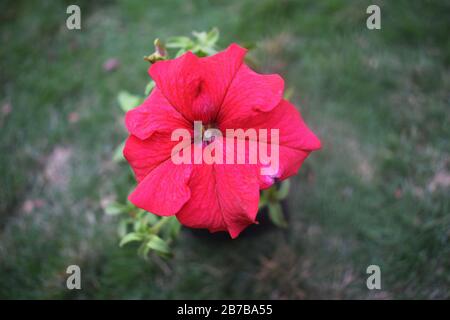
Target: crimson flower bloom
x,y
224,93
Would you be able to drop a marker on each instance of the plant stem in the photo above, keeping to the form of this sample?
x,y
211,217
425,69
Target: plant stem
x,y
155,229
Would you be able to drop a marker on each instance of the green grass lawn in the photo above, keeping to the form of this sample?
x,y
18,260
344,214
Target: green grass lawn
x,y
377,193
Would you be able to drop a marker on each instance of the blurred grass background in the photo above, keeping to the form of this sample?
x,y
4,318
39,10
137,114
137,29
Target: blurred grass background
x,y
377,193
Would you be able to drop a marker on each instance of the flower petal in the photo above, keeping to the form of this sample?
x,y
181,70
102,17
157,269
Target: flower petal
x,y
250,93
164,190
223,197
145,155
202,210
196,86
154,114
238,195
296,140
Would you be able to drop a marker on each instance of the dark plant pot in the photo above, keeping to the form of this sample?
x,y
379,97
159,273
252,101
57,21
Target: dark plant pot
x,y
265,225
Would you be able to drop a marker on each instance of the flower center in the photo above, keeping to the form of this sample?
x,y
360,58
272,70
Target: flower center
x,y
211,125
205,133
209,132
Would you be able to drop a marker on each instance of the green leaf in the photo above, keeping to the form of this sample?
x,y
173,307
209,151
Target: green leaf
x,y
208,51
276,215
133,236
288,93
151,218
143,251
128,101
122,227
158,244
149,87
174,228
138,225
114,209
180,52
213,36
118,153
179,42
283,192
201,37
140,213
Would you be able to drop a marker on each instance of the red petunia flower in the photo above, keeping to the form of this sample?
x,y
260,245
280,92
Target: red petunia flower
x,y
224,93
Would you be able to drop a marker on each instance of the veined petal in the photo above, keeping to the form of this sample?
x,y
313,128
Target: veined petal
x,y
164,190
202,210
196,86
238,195
145,155
154,114
295,142
250,93
224,197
